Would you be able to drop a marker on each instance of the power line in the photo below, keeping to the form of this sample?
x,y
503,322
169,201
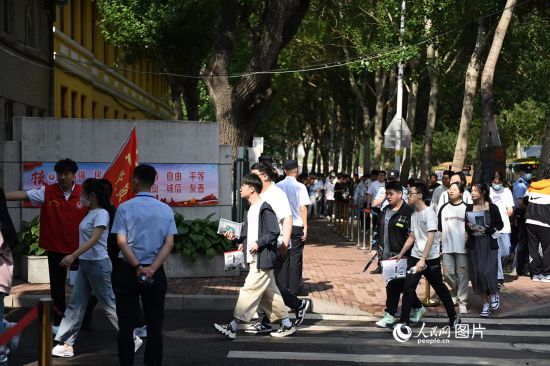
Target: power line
x,y
302,69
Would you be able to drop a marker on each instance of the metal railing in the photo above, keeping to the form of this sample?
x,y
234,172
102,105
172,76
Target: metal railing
x,y
353,223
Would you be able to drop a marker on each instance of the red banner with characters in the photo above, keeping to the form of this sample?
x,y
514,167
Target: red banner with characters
x,y
121,169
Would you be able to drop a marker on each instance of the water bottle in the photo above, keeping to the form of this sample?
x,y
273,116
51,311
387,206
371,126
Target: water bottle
x,y
412,270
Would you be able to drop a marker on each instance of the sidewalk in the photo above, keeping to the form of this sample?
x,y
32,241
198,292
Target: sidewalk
x,y
333,280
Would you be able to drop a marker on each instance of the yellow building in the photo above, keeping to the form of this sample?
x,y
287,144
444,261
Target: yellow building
x,y
85,83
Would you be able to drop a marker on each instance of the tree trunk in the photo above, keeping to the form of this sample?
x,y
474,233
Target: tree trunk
x,y
191,98
544,167
380,84
307,149
315,156
241,105
431,56
489,131
175,96
470,84
410,119
489,135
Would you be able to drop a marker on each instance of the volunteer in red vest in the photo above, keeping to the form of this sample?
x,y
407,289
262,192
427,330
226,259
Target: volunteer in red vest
x,y
60,215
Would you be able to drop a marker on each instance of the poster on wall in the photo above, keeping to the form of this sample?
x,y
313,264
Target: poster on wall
x,y
178,185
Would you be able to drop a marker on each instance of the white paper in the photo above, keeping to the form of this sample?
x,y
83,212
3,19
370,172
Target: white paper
x,y
234,260
392,269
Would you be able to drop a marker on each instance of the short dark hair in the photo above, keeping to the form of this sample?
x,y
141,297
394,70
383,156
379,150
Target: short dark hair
x,y
382,171
253,181
421,188
374,172
264,169
146,174
448,173
434,175
484,190
92,185
394,186
66,165
461,187
462,177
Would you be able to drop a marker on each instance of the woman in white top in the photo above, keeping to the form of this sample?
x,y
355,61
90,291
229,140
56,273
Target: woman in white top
x,y
94,271
453,245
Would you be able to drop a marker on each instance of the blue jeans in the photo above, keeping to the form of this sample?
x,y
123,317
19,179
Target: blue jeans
x,y
503,252
93,277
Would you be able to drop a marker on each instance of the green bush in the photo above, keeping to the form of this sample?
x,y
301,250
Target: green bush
x,y
199,237
29,237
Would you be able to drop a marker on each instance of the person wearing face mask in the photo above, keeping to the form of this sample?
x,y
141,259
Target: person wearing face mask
x,y
502,197
94,272
60,214
519,229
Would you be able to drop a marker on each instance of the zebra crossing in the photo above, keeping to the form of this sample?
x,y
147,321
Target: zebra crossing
x,y
356,340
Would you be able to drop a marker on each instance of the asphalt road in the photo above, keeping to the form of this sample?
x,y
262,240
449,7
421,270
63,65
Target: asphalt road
x,y
190,339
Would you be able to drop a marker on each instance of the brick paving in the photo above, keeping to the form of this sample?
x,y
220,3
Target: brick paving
x,y
333,273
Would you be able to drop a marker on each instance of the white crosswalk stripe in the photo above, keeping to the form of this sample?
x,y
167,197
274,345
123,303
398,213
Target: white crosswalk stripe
x,y
503,342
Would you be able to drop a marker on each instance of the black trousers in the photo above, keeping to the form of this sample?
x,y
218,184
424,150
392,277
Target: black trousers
x,y
539,234
281,277
58,280
394,288
128,292
296,261
522,246
112,251
432,273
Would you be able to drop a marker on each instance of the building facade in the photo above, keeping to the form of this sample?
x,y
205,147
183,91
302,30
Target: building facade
x,y
87,84
26,62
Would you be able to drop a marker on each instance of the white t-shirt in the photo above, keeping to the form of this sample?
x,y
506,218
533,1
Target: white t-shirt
x,y
374,187
253,220
297,196
329,191
503,199
36,196
452,224
98,217
423,222
444,198
279,203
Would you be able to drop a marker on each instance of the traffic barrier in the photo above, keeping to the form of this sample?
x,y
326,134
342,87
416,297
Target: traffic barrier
x,y
42,311
351,222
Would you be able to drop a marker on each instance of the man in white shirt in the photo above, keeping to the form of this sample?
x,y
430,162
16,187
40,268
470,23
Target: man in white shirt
x,y
503,198
278,201
298,199
424,258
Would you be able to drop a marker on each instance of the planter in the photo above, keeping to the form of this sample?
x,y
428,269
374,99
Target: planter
x,y
177,266
34,269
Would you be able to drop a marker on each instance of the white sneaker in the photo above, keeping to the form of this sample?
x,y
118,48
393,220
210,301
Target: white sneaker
x,y
137,343
63,350
545,278
486,311
141,332
462,309
417,314
455,300
495,301
386,320
537,278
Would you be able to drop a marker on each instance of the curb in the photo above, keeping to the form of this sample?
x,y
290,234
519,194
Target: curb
x,y
227,302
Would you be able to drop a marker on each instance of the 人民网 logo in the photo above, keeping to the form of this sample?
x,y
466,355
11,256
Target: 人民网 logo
x,y
402,333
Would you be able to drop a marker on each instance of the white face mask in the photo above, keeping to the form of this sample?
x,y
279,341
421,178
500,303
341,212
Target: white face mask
x,y
497,187
84,201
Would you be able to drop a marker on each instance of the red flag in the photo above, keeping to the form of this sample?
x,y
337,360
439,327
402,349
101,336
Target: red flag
x,y
121,169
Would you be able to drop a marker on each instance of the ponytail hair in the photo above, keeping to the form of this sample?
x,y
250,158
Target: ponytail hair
x,y
92,185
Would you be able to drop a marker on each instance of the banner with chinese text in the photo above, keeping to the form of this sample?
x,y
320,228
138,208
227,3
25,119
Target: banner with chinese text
x,y
178,185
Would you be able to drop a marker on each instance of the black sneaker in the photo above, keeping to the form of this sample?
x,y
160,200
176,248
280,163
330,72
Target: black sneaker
x,y
259,328
283,331
454,322
226,330
301,313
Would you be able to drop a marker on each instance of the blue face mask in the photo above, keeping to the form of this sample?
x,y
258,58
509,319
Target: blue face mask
x,y
528,177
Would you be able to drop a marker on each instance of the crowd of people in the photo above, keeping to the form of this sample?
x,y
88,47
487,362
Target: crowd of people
x,y
478,231
451,233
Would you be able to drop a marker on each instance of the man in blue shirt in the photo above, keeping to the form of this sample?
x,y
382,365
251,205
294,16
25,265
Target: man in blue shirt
x,y
145,229
519,229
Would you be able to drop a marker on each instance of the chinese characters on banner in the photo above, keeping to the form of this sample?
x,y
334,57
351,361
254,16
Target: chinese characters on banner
x,y
178,185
